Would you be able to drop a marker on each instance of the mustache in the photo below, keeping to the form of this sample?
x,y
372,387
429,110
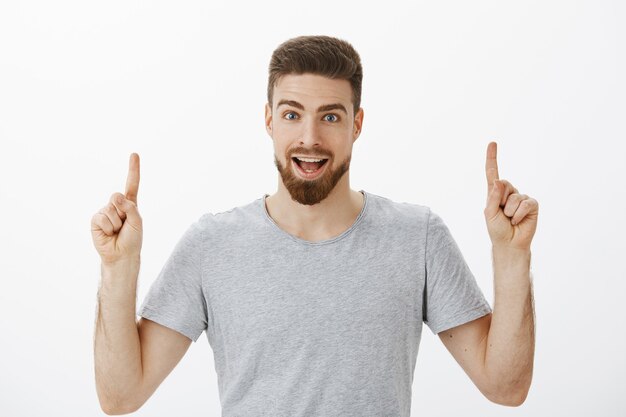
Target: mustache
x,y
310,153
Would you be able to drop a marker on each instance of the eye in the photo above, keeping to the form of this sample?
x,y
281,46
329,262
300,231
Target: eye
x,y
287,115
332,115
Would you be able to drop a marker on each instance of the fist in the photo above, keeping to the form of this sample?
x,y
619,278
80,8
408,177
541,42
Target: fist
x,y
511,217
117,228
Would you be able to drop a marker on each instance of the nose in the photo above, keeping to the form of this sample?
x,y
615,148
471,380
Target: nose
x,y
310,134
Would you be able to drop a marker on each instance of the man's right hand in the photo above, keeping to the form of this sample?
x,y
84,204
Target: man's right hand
x,y
117,229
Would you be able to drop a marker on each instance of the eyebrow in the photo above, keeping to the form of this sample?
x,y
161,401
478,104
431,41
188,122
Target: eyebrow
x,y
325,107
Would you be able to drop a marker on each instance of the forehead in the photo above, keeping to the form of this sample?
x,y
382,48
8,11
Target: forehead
x,y
312,88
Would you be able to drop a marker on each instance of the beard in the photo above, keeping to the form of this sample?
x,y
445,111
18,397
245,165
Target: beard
x,y
311,192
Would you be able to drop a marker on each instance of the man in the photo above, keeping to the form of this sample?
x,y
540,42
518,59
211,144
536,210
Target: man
x,y
313,298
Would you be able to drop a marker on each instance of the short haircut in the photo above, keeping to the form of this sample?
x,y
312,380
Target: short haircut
x,y
321,55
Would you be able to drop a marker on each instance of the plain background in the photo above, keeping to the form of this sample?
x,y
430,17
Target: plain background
x,y
84,84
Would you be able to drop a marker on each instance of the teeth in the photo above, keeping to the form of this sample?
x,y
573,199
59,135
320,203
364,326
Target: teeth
x,y
309,159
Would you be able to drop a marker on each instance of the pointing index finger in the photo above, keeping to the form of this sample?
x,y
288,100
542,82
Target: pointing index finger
x,y
491,165
132,181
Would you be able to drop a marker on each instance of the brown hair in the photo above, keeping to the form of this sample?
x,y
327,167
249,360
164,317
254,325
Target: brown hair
x,y
321,55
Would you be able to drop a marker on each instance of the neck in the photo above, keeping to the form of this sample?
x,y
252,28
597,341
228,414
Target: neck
x,y
324,220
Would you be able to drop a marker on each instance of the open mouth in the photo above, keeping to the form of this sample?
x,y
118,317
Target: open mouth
x,y
309,167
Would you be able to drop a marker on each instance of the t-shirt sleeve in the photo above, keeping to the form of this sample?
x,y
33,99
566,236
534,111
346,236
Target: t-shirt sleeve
x,y
176,298
451,295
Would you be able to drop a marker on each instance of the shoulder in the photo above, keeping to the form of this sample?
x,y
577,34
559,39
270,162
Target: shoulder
x,y
231,221
399,212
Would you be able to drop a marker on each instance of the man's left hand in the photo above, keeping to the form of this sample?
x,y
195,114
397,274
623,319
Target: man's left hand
x,y
511,217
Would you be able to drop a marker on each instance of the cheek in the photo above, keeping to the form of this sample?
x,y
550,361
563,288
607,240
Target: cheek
x,y
281,127
281,149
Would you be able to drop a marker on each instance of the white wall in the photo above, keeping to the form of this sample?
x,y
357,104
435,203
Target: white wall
x,y
84,84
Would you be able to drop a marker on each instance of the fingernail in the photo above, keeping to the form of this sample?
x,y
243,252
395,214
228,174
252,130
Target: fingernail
x,y
120,199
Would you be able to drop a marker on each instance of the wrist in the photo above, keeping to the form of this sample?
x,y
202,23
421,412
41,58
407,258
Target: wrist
x,y
510,257
119,280
511,265
510,252
122,263
123,270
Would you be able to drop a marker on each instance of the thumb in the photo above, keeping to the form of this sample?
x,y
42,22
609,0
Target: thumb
x,y
493,200
130,209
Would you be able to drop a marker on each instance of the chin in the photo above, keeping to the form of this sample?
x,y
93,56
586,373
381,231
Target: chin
x,y
311,192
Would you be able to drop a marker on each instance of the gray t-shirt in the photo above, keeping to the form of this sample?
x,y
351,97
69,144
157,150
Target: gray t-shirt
x,y
327,328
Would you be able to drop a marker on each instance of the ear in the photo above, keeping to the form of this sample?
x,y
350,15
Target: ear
x,y
358,124
268,119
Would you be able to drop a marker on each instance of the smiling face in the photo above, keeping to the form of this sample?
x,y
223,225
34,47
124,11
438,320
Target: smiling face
x,y
312,116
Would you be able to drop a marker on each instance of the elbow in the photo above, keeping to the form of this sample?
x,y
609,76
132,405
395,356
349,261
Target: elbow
x,y
512,401
511,392
109,410
117,408
115,404
510,398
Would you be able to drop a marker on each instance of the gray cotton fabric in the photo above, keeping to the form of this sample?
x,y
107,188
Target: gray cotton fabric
x,y
327,328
